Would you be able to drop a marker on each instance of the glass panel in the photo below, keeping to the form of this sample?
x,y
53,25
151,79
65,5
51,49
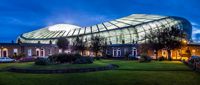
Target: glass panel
x,y
139,29
66,33
129,22
113,39
94,29
71,32
153,25
113,33
146,27
132,30
120,24
127,38
101,27
164,22
143,20
76,31
109,26
141,35
82,31
87,30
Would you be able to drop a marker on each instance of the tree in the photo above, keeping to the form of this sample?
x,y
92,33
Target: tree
x,y
79,45
154,41
104,47
172,39
19,41
169,38
97,44
62,43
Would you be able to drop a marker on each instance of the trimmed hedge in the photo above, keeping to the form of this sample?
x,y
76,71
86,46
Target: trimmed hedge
x,y
70,70
84,60
64,58
42,61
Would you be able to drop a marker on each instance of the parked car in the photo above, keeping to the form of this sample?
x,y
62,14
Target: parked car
x,y
6,60
193,61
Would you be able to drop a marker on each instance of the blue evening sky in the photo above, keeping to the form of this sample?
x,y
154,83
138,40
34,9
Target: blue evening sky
x,y
19,16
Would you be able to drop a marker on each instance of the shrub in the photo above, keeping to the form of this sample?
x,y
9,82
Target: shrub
x,y
84,60
98,58
64,58
108,56
161,58
42,61
145,58
18,56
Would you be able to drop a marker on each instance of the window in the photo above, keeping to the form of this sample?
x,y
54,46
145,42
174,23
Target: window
x,y
60,51
114,52
29,52
134,51
118,52
5,52
0,52
38,52
15,51
42,52
50,52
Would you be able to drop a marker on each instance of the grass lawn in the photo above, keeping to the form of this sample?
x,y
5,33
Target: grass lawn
x,y
129,73
31,65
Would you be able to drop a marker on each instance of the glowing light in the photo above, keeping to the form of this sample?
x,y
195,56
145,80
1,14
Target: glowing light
x,y
184,41
193,51
62,27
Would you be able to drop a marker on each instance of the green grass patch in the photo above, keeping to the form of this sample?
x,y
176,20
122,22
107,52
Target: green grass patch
x,y
31,65
149,66
129,73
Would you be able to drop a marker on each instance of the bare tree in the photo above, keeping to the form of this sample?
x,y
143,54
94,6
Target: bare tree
x,y
97,44
79,45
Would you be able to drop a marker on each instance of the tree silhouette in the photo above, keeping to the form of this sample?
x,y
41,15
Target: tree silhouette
x,y
62,43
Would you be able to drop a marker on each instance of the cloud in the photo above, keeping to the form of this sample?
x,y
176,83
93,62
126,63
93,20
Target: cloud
x,y
195,32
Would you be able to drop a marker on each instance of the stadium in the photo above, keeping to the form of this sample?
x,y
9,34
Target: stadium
x,y
129,29
123,35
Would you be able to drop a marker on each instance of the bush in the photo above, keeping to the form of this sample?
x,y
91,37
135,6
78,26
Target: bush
x,y
64,58
18,56
84,60
98,58
161,58
145,58
108,56
42,61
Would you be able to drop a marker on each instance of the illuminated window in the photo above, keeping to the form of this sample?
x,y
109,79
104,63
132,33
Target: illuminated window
x,y
29,52
15,51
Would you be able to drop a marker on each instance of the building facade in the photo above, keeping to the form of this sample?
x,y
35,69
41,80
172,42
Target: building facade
x,y
27,49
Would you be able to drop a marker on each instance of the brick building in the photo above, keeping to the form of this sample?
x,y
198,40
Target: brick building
x,y
28,49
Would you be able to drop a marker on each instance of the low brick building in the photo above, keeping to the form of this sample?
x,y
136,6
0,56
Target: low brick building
x,y
27,49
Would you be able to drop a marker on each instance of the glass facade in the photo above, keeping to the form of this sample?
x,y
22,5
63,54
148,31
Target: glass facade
x,y
129,29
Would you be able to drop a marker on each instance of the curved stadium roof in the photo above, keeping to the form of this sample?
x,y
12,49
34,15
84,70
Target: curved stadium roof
x,y
130,28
